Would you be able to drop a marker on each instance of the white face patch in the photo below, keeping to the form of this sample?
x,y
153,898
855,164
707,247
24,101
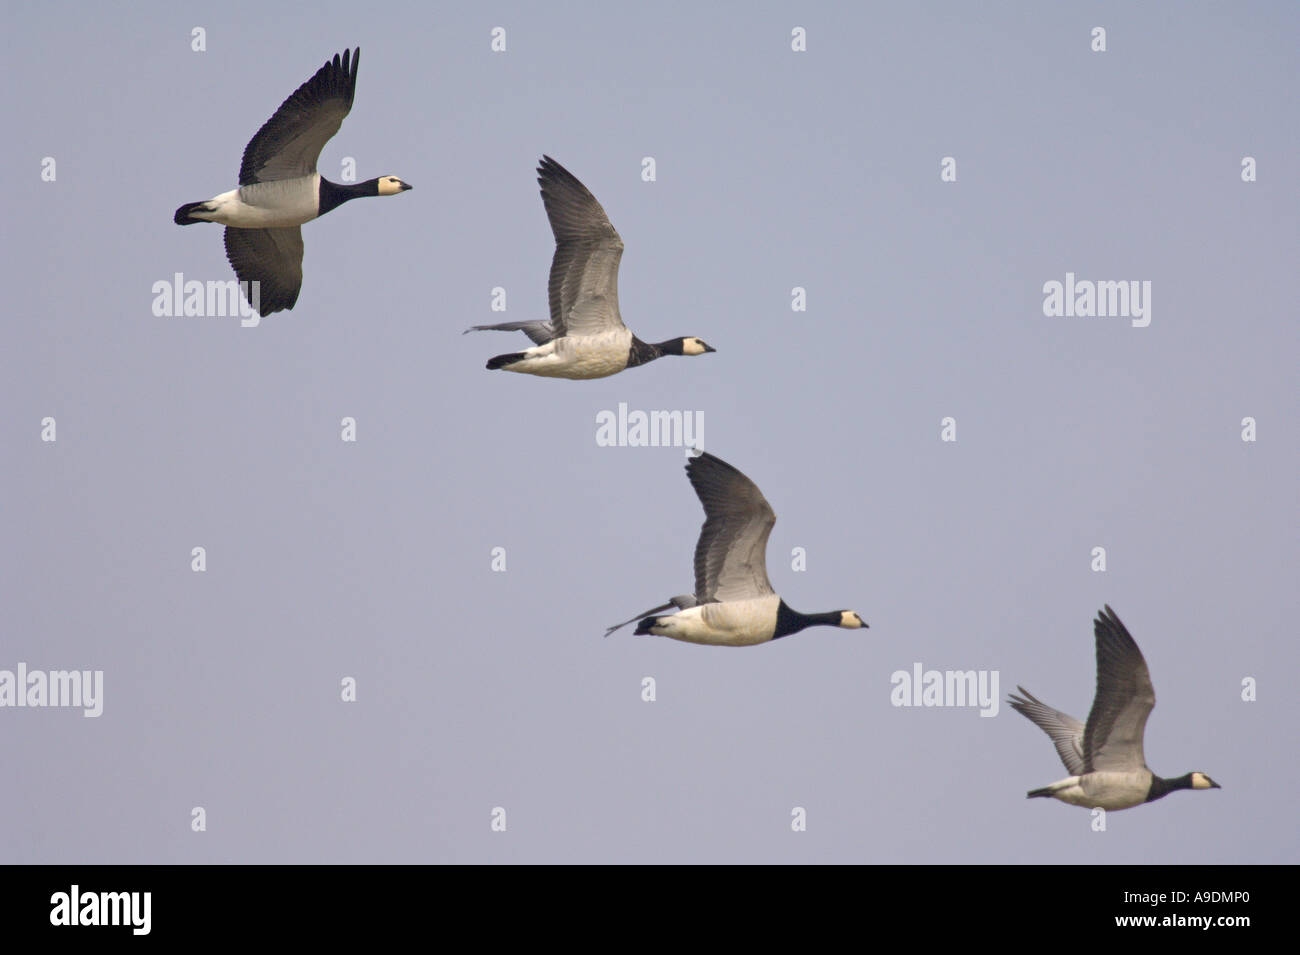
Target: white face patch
x,y
693,346
850,620
390,186
1201,781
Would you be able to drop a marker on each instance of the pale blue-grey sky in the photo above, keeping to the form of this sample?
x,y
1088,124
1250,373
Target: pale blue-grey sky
x,y
775,169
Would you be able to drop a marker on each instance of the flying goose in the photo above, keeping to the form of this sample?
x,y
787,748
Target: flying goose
x,y
585,337
280,189
1104,758
733,604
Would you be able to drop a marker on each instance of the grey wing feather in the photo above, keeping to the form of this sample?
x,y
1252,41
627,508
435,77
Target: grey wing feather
x,y
289,143
273,259
1112,740
681,602
1066,732
539,332
583,286
731,554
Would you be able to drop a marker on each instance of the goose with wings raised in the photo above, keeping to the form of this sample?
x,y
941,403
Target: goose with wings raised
x,y
585,336
280,189
733,603
1104,757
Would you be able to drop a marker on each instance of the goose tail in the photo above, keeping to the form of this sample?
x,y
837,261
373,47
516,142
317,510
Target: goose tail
x,y
183,214
500,361
648,619
645,625
639,617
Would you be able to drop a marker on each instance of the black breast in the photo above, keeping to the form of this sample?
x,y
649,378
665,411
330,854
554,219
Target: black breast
x,y
787,621
1162,787
641,352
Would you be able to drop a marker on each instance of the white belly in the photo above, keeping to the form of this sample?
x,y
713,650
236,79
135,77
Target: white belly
x,y
738,623
1109,790
586,356
266,205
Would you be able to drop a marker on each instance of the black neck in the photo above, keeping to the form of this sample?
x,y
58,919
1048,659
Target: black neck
x,y
792,621
642,352
1163,787
333,194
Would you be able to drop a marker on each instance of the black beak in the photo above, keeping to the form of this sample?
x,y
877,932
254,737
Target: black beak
x,y
406,185
708,348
